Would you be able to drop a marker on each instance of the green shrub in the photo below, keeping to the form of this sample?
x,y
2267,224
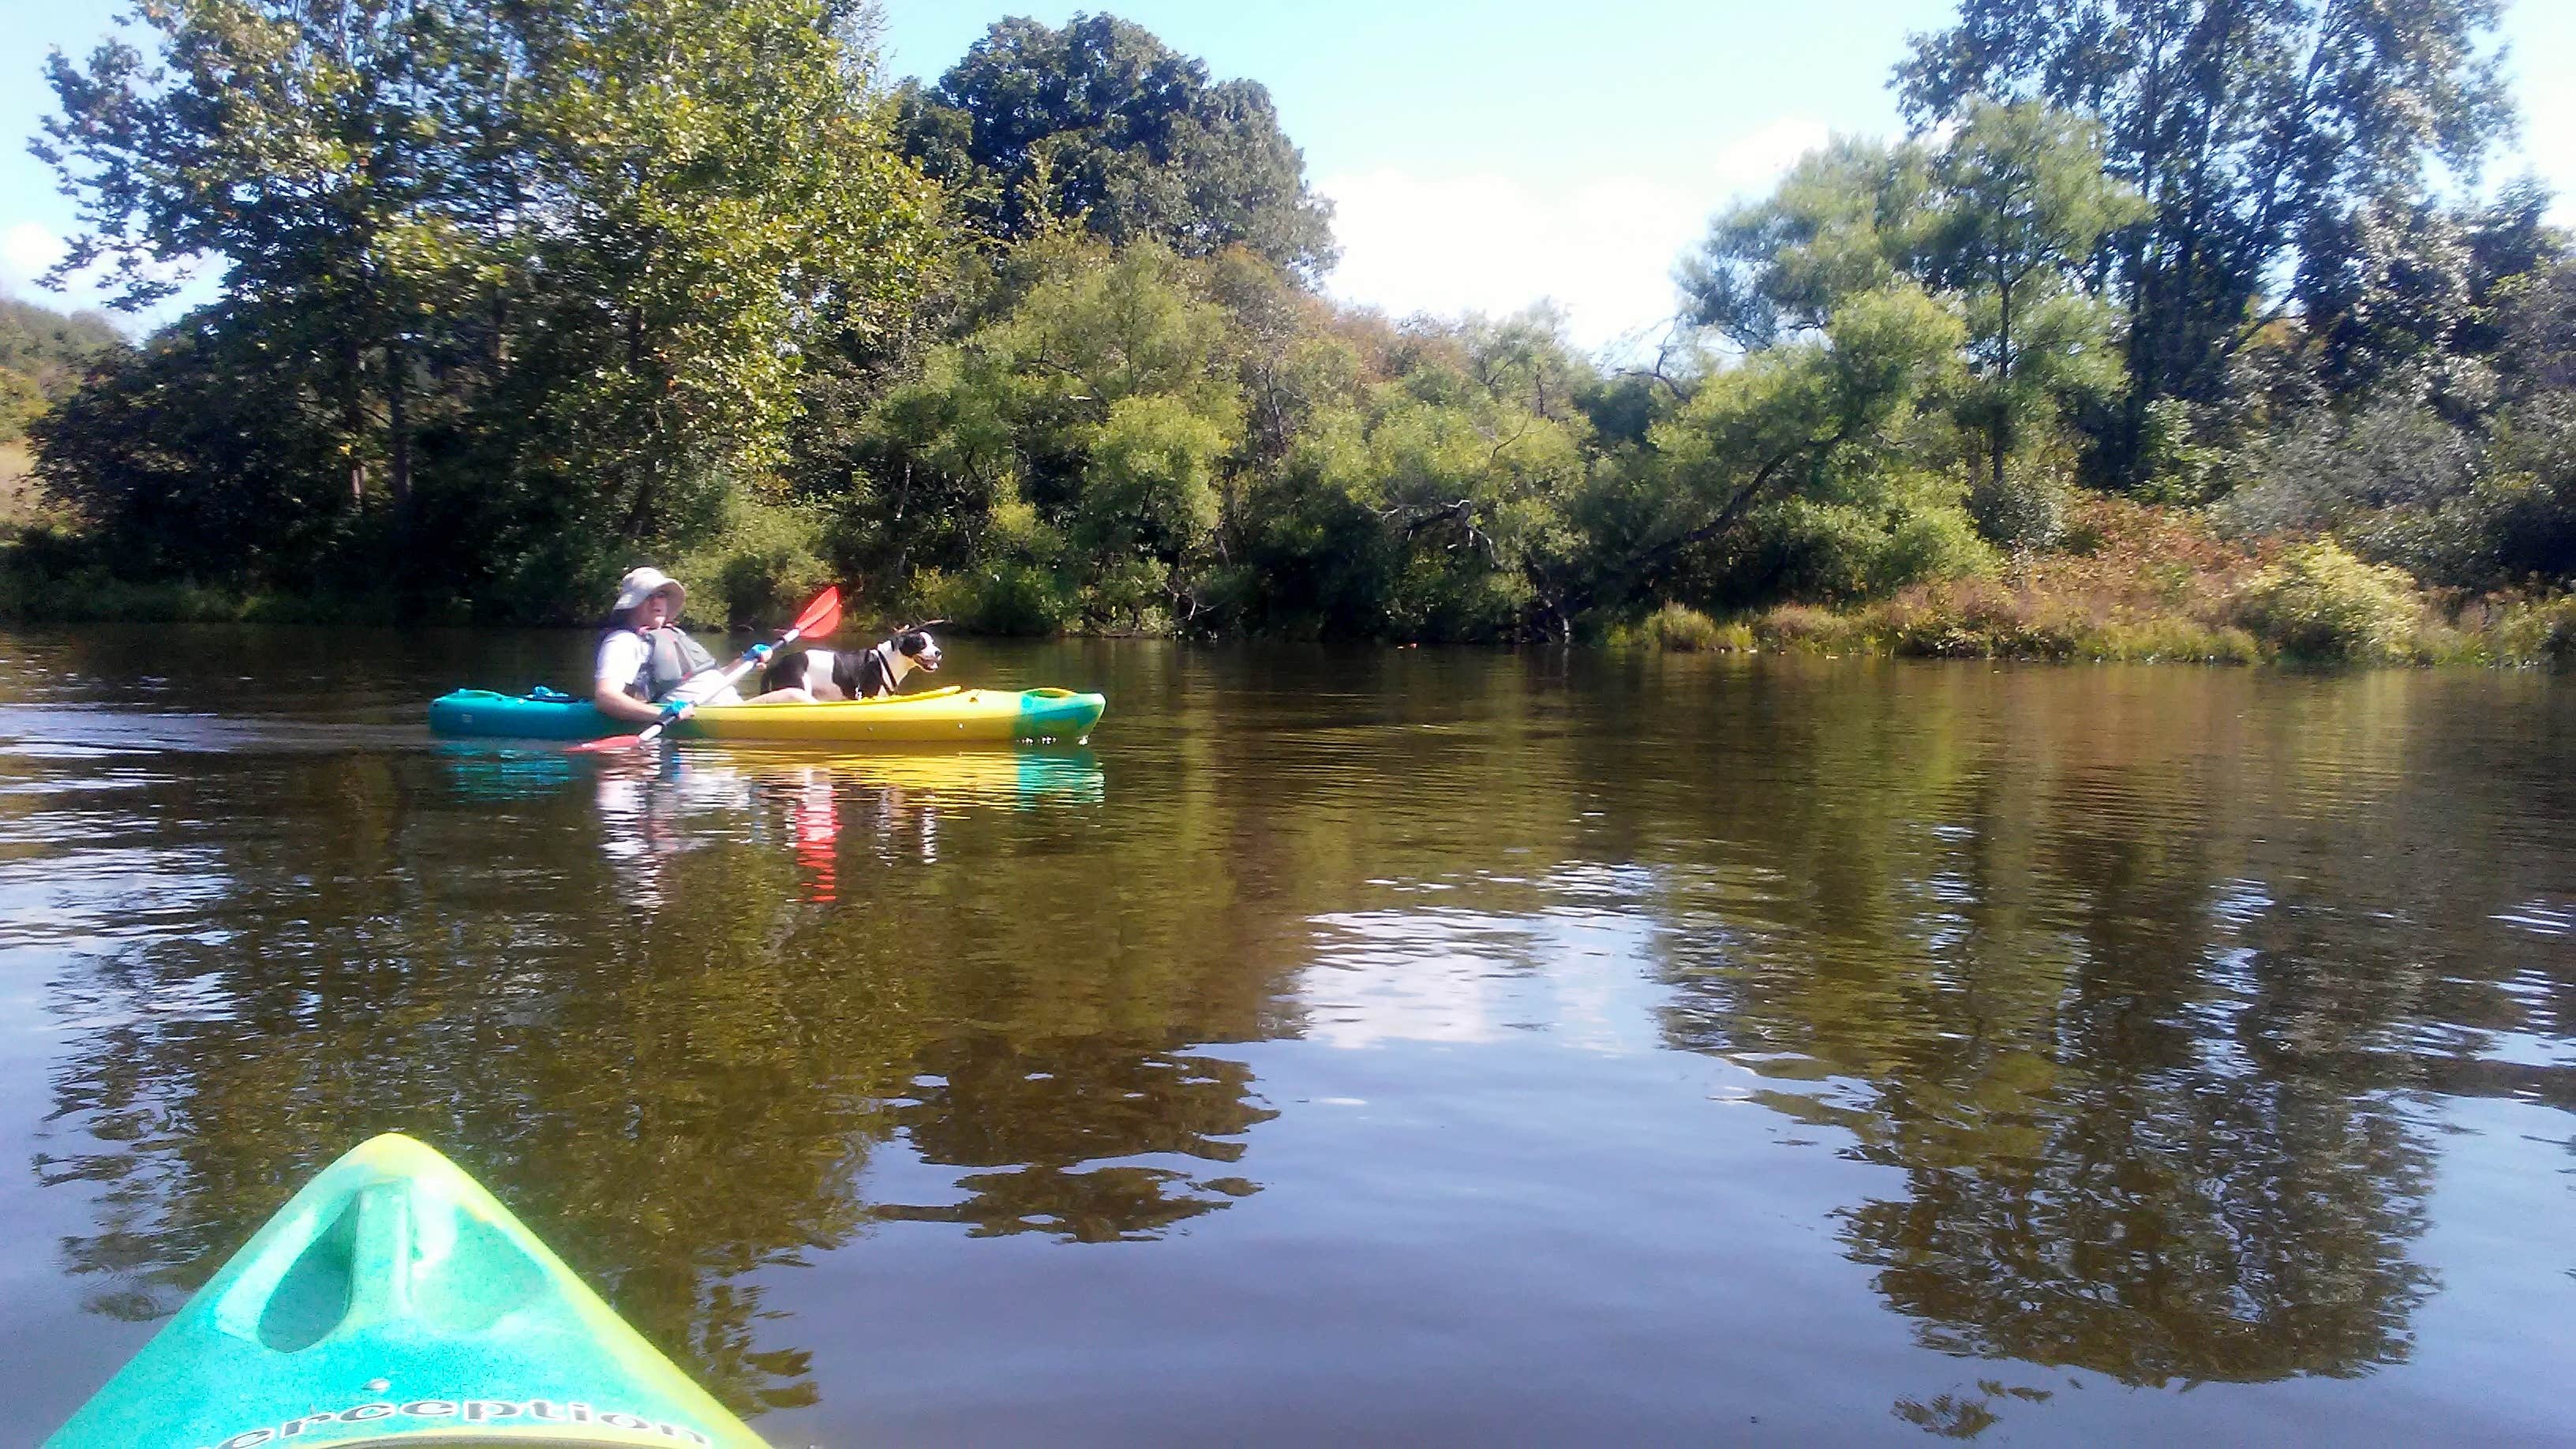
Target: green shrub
x,y
1685,630
759,569
998,598
2537,633
2172,641
2321,603
2026,509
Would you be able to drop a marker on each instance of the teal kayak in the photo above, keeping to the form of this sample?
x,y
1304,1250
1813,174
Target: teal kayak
x,y
394,1301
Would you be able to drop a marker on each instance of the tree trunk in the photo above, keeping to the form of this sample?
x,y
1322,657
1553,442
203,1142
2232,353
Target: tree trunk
x,y
902,535
397,423
1999,424
352,416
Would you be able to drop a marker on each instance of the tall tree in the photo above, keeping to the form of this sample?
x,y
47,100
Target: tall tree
x,y
2241,122
2001,221
294,142
2022,201
1794,474
565,255
1101,122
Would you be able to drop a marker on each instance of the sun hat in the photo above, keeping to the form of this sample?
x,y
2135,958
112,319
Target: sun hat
x,y
643,584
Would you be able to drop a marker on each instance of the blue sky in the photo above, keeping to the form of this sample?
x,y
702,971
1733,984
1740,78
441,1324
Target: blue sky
x,y
1482,156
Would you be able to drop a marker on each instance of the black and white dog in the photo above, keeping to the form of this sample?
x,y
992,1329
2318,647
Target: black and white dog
x,y
854,673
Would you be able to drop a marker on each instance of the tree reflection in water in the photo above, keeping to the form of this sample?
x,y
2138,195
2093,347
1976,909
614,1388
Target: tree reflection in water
x,y
624,996
2145,1059
1055,1121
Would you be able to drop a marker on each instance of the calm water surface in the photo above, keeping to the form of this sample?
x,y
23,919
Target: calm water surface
x,y
1387,1046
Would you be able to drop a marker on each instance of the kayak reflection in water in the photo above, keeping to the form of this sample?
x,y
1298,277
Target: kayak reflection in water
x,y
643,800
654,808
647,662
887,805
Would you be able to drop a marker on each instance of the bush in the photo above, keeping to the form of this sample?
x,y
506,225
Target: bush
x,y
759,570
999,598
2537,633
2321,603
2025,510
1686,630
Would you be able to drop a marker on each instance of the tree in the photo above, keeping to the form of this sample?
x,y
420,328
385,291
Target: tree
x,y
2022,201
562,260
1848,218
198,456
1100,122
2241,124
1795,472
43,354
297,143
1083,430
2400,293
2000,220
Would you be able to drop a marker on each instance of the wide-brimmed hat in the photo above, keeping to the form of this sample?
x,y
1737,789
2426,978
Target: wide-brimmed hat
x,y
643,584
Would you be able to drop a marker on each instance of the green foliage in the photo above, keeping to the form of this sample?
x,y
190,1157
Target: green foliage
x,y
43,354
2538,633
1685,630
2000,222
1189,444
526,288
2321,603
150,455
2175,465
759,570
1102,125
1793,474
521,295
2249,129
2024,508
1006,597
20,401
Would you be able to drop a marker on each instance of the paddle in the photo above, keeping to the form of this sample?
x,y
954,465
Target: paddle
x,y
821,617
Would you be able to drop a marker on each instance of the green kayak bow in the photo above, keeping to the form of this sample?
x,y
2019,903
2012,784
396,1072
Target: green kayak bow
x,y
394,1301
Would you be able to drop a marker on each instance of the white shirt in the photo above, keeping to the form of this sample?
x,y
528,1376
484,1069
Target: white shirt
x,y
622,656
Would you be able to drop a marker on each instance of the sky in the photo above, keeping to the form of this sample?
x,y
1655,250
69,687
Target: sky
x,y
1480,156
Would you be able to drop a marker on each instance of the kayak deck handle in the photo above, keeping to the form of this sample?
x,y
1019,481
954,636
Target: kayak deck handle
x,y
387,1250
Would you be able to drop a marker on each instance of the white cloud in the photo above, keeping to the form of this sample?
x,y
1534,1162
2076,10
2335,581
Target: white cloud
x,y
1602,247
2549,147
1753,162
26,249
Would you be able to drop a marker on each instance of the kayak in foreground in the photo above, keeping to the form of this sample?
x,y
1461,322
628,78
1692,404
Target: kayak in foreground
x,y
952,715
394,1301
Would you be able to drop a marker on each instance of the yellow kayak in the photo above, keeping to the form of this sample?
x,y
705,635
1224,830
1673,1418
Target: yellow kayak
x,y
954,715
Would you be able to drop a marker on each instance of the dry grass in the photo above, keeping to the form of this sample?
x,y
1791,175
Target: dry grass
x,y
2135,582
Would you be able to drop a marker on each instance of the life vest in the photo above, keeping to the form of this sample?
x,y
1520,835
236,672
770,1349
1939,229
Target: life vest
x,y
671,659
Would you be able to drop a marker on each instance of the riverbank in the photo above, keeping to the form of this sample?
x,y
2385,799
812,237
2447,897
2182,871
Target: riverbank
x,y
2142,585
2128,583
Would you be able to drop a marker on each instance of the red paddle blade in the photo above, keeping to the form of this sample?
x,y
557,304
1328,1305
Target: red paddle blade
x,y
821,617
613,742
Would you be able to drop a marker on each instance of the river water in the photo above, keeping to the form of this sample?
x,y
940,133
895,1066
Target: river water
x,y
1422,1046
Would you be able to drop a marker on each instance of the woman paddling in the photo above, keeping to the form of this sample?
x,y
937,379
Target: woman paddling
x,y
646,663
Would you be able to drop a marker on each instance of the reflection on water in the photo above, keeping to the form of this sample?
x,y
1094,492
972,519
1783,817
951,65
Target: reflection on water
x,y
1428,1044
1058,1137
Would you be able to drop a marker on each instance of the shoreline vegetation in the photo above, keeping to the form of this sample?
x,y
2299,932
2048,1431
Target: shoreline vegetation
x,y
2103,359
2137,584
